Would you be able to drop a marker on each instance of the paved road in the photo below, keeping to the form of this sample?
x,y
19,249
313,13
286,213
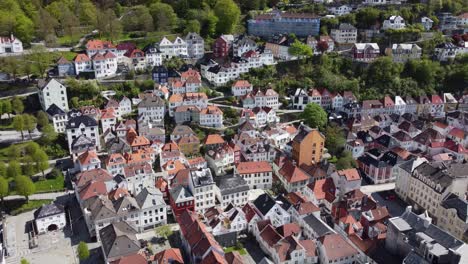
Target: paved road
x,y
25,52
38,196
369,189
12,136
18,95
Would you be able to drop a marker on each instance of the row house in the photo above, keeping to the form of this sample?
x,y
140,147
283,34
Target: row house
x,y
322,97
255,149
402,53
231,190
102,65
121,108
153,55
189,82
257,174
243,44
259,116
259,98
226,224
99,46
200,100
176,48
344,34
365,52
195,45
58,117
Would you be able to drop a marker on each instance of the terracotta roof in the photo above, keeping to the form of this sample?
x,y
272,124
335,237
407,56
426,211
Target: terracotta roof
x,y
440,125
241,84
62,60
172,167
336,247
253,167
97,44
310,247
291,173
85,177
81,58
196,161
249,212
131,259
350,174
176,98
321,187
233,258
289,229
211,110
458,133
93,188
213,139
161,184
270,235
169,256
117,193
88,157
107,113
306,208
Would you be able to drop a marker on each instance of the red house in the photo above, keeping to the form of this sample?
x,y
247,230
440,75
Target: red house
x,y
221,46
181,199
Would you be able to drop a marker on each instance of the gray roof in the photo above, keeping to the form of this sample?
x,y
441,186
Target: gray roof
x,y
48,210
231,184
76,121
201,177
346,26
264,203
150,193
152,102
414,258
55,110
119,239
443,173
453,201
319,227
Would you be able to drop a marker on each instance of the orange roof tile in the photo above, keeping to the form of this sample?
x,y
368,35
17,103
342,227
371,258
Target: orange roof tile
x,y
176,98
88,157
350,174
167,256
213,139
81,58
291,173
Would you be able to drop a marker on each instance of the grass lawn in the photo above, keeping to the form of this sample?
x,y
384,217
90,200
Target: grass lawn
x,y
241,251
50,185
6,124
15,207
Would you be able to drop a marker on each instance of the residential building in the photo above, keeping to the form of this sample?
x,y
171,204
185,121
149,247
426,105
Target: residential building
x,y
152,109
277,22
430,183
58,117
307,146
257,174
346,180
153,55
82,125
195,45
427,23
243,44
172,254
344,34
241,88
104,65
49,217
403,52
292,177
339,9
211,116
333,248
199,100
65,67
259,98
415,234
268,208
222,45
181,199
394,22
453,216
202,186
365,52
118,240
10,44
446,51
52,92
379,168
221,159
231,190
169,49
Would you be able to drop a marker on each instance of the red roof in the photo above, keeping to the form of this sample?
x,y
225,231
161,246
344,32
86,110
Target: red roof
x,y
289,229
270,235
81,58
132,259
336,247
458,133
436,99
253,167
85,177
321,187
291,173
350,174
97,44
213,139
94,188
241,84
88,157
169,256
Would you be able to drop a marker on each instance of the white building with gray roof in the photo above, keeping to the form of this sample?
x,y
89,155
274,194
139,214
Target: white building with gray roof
x,y
49,217
231,189
118,240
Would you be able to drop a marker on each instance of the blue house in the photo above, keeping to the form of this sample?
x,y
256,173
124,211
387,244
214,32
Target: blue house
x,y
65,67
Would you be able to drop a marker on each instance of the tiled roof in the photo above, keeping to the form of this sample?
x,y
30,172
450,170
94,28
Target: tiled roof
x,y
270,235
213,139
85,177
169,256
93,188
350,174
132,259
253,167
291,173
321,187
336,247
88,157
81,58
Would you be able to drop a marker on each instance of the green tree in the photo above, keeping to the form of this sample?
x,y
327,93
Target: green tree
x,y
18,124
137,18
367,17
3,169
192,26
24,186
228,14
70,23
17,105
42,119
300,49
28,167
346,161
24,261
46,24
314,116
41,160
7,109
83,251
164,17
3,188
13,169
48,134
108,24
335,140
41,58
164,231
30,123
209,25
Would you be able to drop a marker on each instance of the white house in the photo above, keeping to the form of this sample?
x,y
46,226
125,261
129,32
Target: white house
x,y
202,186
211,116
339,10
52,92
400,105
153,55
257,174
125,106
344,34
152,109
221,159
82,125
195,45
88,161
104,65
10,45
268,208
403,52
394,22
427,23
241,88
58,117
49,217
169,49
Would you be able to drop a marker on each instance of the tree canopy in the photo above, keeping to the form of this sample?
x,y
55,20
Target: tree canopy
x,y
314,116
